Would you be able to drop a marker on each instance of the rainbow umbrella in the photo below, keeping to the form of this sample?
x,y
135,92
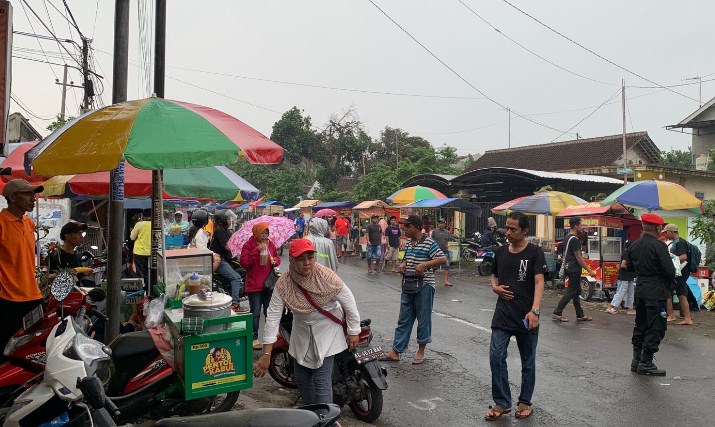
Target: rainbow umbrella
x,y
654,195
280,229
414,194
543,203
151,133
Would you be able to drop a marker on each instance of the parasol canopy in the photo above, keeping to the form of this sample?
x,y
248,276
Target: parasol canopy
x,y
413,194
543,203
16,160
151,133
216,182
654,195
325,212
280,229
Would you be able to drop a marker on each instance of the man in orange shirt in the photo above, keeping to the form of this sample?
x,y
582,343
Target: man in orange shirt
x,y
19,293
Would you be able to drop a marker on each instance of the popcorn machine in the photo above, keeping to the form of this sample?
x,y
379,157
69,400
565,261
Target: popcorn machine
x,y
604,246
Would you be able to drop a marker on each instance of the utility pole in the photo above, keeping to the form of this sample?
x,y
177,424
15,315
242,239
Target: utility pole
x,y
623,113
88,85
699,79
116,177
397,151
64,85
508,110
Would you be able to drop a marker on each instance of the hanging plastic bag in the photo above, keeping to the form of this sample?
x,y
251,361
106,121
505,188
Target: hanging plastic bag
x,y
154,311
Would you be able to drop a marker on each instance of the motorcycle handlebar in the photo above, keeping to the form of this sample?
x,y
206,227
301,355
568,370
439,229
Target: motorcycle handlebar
x,y
112,408
94,312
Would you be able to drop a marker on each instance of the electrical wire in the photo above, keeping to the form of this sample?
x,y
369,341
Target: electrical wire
x,y
459,75
589,114
461,131
224,95
96,10
38,40
47,28
26,109
596,54
531,51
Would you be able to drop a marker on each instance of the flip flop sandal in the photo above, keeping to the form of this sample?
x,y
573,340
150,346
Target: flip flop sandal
x,y
447,284
523,411
419,360
559,318
387,358
495,412
584,319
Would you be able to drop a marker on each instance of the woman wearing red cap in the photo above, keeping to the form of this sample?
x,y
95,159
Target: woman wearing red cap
x,y
315,337
257,272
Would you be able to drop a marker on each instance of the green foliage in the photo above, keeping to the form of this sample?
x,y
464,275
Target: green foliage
x,y
58,123
295,133
681,159
283,182
704,226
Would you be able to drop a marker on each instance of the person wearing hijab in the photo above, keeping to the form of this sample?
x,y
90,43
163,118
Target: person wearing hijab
x,y
315,338
326,253
257,272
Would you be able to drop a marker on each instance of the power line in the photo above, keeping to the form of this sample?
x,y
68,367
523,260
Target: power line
x,y
223,94
598,55
460,131
459,75
24,2
38,40
26,109
74,23
589,114
531,51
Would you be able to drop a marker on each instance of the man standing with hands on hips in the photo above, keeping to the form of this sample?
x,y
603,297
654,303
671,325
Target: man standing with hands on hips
x,y
518,278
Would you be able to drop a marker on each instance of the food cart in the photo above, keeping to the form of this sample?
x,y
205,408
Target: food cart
x,y
606,228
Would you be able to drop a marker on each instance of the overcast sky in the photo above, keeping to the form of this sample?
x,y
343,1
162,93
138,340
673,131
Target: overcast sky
x,y
217,50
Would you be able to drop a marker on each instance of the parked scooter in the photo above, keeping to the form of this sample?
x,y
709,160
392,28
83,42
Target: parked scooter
x,y
358,378
470,248
484,260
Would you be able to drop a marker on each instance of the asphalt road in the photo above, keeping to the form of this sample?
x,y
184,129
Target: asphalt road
x,y
583,369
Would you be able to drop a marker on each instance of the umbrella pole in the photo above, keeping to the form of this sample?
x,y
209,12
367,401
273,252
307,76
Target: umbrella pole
x,y
157,231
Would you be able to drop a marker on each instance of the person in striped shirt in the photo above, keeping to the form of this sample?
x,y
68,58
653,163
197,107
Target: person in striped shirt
x,y
422,255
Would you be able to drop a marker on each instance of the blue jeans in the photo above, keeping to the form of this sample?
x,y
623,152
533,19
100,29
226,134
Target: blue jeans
x,y
414,306
373,252
500,375
259,302
624,292
315,385
225,270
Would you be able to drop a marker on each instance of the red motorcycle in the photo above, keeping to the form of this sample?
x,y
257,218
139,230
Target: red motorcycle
x,y
358,378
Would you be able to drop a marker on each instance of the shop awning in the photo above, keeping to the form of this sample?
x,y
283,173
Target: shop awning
x,y
307,203
451,202
270,203
595,208
333,205
369,204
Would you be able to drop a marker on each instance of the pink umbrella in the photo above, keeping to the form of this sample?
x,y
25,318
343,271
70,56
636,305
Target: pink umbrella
x,y
325,212
280,230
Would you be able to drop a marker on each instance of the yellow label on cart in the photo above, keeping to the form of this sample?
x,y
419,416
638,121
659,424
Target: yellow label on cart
x,y
199,346
218,381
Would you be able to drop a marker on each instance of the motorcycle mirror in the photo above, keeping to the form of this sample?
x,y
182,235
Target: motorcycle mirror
x,y
62,285
85,256
94,247
97,294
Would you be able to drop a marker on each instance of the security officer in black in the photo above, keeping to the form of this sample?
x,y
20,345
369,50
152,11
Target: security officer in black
x,y
655,271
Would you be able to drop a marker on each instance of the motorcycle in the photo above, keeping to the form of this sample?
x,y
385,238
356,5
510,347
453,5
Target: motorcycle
x,y
484,260
222,284
470,248
358,378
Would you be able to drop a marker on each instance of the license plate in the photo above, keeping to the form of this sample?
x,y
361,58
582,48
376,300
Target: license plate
x,y
479,259
30,319
368,355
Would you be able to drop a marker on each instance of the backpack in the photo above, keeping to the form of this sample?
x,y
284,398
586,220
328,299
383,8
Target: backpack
x,y
694,256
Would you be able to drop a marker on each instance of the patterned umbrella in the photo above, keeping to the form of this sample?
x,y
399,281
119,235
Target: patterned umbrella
x,y
151,133
544,203
414,194
654,195
325,212
280,230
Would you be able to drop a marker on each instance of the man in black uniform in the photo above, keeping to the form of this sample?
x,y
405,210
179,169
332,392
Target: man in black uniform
x,y
650,259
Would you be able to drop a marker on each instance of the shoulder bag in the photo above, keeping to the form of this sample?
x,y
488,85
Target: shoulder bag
x,y
271,280
562,271
412,283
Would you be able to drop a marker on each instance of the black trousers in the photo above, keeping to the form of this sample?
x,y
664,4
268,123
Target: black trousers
x,y
141,262
650,325
573,293
11,314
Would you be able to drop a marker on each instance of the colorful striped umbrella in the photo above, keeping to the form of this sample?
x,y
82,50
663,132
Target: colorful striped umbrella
x,y
413,194
216,182
654,195
151,133
543,203
280,229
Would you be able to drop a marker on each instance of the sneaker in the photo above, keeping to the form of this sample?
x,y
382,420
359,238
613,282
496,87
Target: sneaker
x,y
611,309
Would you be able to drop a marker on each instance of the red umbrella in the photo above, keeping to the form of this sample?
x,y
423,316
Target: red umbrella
x,y
325,212
15,160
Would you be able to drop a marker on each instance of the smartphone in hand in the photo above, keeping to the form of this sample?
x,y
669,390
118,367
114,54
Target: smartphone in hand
x,y
525,321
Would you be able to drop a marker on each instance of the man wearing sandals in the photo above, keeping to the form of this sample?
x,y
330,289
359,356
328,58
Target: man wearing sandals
x,y
518,278
574,263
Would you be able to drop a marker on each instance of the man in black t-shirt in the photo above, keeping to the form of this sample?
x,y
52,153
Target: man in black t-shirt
x,y
518,278
65,256
574,263
374,244
679,248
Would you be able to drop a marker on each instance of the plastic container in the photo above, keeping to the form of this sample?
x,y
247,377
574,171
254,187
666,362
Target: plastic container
x,y
264,256
194,283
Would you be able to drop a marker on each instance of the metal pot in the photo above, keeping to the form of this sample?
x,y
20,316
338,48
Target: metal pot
x,y
218,305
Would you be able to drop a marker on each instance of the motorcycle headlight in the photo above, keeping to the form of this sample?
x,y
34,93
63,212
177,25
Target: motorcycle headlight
x,y
89,351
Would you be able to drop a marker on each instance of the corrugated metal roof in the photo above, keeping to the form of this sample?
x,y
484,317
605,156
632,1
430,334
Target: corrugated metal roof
x,y
571,176
325,205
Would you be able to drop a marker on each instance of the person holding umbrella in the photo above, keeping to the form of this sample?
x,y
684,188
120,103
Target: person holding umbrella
x,y
258,256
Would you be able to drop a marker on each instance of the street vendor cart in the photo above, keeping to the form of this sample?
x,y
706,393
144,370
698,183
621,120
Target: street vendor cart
x,y
606,230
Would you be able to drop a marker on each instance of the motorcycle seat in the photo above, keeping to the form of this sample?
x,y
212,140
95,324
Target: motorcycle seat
x,y
264,417
130,347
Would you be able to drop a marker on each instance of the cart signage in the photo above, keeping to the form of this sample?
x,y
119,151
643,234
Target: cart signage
x,y
601,221
216,366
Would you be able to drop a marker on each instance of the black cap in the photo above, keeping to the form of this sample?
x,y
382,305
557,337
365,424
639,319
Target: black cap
x,y
414,220
375,216
72,227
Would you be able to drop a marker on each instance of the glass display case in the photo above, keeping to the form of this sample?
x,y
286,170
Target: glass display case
x,y
610,248
180,262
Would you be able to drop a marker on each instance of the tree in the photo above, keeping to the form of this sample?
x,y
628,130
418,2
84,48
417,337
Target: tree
x,y
681,159
704,228
294,132
283,182
58,123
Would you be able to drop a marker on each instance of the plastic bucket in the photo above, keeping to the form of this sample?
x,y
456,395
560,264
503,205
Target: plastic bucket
x,y
219,305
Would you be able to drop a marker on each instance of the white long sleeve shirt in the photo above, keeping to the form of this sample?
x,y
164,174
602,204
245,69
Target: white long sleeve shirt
x,y
314,336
